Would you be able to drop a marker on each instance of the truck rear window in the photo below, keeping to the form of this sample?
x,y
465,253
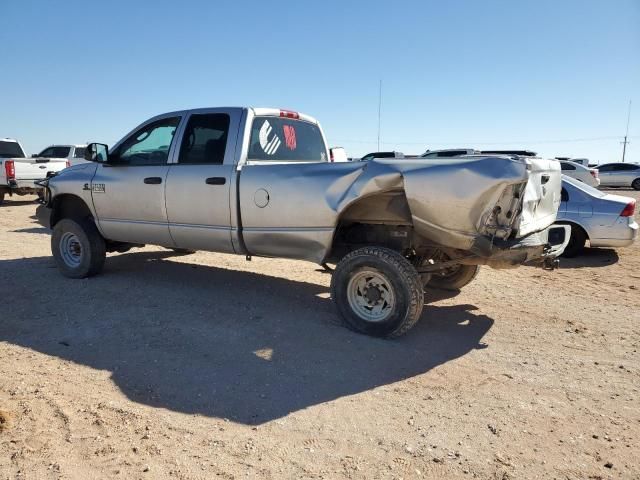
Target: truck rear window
x,y
55,152
10,150
284,139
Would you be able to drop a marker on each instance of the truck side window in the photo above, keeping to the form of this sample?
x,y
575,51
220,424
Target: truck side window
x,y
205,139
148,146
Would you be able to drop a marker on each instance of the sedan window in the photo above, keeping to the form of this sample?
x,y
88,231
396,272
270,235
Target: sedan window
x,y
567,166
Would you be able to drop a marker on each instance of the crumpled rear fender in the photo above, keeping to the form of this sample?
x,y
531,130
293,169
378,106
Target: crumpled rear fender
x,y
450,201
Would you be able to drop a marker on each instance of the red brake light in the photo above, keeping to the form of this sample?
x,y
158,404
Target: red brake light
x,y
289,114
331,155
67,164
10,169
629,209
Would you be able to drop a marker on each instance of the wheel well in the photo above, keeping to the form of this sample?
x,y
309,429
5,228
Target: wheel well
x,y
383,219
68,206
576,226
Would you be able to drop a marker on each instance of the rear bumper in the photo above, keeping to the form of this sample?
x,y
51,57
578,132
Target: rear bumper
x,y
625,235
538,249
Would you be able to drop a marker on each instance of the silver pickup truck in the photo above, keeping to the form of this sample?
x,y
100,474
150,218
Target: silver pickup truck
x,y
257,181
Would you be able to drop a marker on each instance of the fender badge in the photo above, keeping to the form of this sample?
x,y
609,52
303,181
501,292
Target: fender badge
x,y
97,187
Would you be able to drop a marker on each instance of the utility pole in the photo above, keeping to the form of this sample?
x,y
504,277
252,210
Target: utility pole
x,y
624,144
379,110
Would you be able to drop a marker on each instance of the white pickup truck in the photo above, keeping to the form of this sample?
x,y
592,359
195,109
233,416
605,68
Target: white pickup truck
x,y
18,173
72,154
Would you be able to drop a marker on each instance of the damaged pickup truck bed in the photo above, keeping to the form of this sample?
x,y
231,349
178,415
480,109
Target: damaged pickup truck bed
x,y
255,181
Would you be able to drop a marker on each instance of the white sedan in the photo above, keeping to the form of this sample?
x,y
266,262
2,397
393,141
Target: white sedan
x,y
580,172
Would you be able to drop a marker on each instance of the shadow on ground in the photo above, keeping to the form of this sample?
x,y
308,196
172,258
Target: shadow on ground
x,y
41,230
591,257
8,202
218,342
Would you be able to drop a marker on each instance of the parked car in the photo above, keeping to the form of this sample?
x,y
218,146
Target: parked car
x,y
580,173
449,153
459,152
257,181
520,153
603,219
73,154
372,155
620,175
338,154
18,173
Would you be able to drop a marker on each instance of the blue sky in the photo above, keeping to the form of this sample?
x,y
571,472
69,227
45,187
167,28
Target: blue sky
x,y
490,74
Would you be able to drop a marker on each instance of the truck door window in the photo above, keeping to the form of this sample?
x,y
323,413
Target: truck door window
x,y
284,139
205,139
79,152
148,146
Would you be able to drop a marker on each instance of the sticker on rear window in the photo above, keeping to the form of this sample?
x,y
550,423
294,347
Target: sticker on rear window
x,y
289,136
269,146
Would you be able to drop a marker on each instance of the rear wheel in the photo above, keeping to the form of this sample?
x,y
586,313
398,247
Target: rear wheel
x,y
576,242
454,277
636,184
78,248
377,292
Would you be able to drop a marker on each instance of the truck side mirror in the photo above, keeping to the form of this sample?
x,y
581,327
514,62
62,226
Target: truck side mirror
x,y
97,152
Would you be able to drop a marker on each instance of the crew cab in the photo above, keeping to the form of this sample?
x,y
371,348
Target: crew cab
x,y
257,182
18,173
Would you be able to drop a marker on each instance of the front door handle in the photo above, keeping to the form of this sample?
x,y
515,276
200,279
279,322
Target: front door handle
x,y
215,181
153,180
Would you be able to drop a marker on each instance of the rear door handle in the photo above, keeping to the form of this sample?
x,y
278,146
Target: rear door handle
x,y
153,180
215,181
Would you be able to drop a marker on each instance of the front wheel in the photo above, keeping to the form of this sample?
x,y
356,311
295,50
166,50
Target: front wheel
x,y
78,248
377,292
636,184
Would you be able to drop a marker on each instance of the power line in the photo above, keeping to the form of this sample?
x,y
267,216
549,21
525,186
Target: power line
x,y
458,143
379,111
624,143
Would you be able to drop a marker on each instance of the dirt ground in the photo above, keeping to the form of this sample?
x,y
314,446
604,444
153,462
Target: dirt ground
x,y
208,366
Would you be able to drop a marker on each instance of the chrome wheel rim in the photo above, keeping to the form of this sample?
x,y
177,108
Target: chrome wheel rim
x,y
371,296
70,249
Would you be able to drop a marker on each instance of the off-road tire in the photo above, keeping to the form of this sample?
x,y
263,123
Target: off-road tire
x,y
93,251
636,184
463,275
576,243
402,279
